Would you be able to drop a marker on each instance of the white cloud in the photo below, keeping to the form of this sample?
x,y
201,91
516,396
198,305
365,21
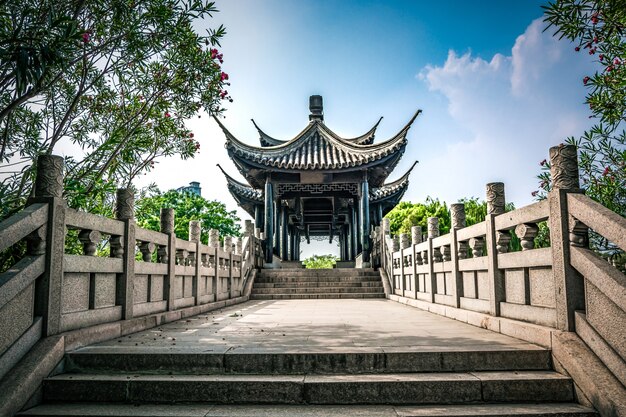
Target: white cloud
x,y
511,108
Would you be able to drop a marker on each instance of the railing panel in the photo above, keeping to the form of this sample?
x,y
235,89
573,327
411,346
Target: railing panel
x,y
475,230
525,259
87,221
534,213
21,224
153,236
602,220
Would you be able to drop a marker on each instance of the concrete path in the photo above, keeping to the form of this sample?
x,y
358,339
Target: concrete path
x,y
292,326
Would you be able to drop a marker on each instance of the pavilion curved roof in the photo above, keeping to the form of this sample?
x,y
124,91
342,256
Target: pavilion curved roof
x,y
243,194
317,148
365,139
393,191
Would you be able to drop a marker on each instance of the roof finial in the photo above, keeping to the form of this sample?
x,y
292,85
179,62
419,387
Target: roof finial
x,y
317,108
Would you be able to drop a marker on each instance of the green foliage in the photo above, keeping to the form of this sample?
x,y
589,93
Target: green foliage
x,y
320,262
115,78
598,28
407,214
187,206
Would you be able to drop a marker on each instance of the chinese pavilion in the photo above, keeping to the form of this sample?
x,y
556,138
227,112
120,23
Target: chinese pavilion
x,y
317,185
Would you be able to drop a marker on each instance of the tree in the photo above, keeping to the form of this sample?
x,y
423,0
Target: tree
x,y
407,214
597,27
117,79
187,206
320,262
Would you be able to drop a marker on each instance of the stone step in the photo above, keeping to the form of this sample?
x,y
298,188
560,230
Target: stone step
x,y
317,290
317,272
407,388
212,410
316,279
355,284
107,359
254,296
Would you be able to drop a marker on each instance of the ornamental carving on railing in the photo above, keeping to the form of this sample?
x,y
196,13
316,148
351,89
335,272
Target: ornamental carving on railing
x,y
564,167
36,242
167,220
495,198
90,240
527,232
476,245
124,204
49,182
416,235
433,227
116,245
457,215
578,233
146,249
194,231
214,238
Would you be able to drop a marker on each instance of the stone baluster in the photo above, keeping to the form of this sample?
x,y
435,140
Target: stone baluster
x,y
182,255
146,249
564,232
238,246
424,257
404,242
527,233
36,242
90,240
395,244
477,244
195,230
446,255
228,244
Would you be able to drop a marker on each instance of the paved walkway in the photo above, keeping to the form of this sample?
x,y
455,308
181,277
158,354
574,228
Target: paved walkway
x,y
293,326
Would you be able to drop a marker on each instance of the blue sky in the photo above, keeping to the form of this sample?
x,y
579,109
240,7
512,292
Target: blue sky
x,y
495,89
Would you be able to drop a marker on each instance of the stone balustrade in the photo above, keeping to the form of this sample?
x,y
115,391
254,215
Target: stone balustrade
x,y
123,272
472,273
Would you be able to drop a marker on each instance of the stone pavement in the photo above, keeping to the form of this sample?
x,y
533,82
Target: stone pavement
x,y
293,326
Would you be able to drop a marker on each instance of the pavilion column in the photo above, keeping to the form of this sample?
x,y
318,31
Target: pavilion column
x,y
277,234
365,220
380,215
354,232
269,221
284,224
258,216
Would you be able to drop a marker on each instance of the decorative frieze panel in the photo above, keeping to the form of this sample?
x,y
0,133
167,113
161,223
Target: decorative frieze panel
x,y
317,189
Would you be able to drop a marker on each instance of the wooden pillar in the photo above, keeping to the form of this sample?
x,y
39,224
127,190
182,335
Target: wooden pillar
x,y
269,221
380,215
258,216
284,224
365,220
354,232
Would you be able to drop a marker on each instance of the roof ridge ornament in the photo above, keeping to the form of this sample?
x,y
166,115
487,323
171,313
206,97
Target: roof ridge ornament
x,y
316,106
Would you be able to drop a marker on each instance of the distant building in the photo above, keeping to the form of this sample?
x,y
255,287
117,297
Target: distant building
x,y
193,187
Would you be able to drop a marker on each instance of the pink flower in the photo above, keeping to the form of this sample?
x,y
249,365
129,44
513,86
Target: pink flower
x,y
577,49
223,93
223,76
606,171
543,163
213,53
191,134
534,193
86,37
586,80
167,114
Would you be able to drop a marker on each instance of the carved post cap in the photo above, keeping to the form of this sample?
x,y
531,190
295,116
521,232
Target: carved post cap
x,y
395,243
405,242
125,204
238,246
416,234
167,220
228,244
386,226
49,181
214,238
495,198
457,215
564,167
433,227
248,228
194,230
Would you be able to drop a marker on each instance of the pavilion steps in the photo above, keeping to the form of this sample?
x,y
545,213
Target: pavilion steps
x,y
486,381
285,284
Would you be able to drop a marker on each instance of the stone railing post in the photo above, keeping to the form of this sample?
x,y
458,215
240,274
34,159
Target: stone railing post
x,y
125,211
169,281
214,244
404,243
433,232
569,284
49,190
495,243
457,217
228,248
195,232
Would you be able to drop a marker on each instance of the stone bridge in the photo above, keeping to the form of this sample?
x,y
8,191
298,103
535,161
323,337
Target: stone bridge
x,y
164,326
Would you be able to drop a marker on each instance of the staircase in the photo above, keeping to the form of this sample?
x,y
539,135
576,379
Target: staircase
x,y
286,284
102,381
